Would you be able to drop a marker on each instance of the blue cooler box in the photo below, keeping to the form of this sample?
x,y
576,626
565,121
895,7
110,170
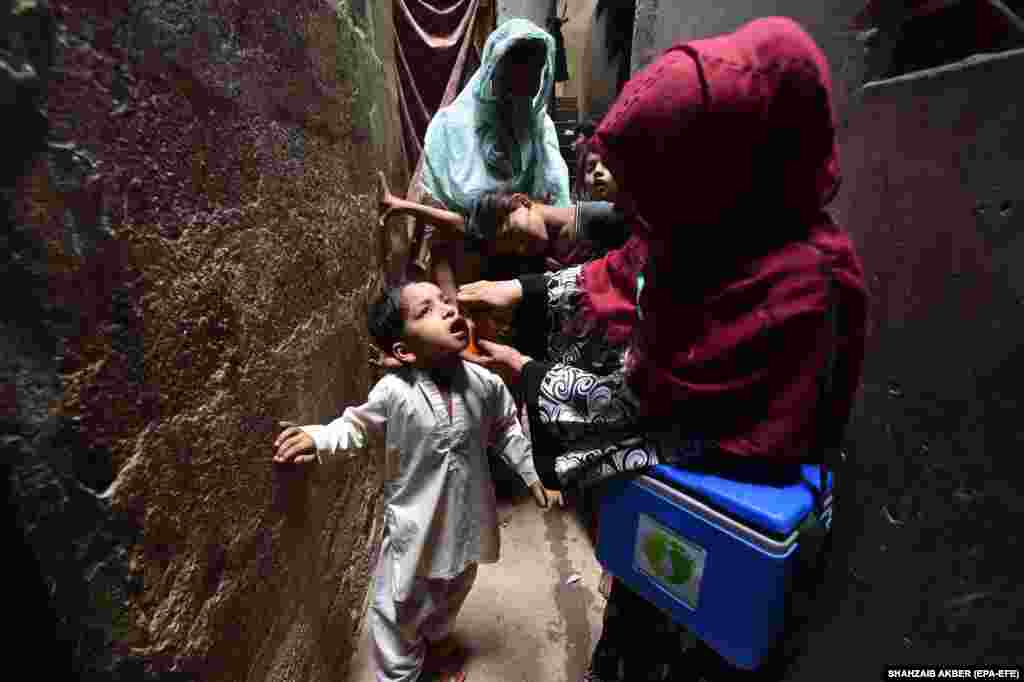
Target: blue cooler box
x,y
715,553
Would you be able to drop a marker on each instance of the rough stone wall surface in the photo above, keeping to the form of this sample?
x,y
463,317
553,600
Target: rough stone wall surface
x,y
193,246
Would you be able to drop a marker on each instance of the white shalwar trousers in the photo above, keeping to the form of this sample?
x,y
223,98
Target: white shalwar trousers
x,y
402,630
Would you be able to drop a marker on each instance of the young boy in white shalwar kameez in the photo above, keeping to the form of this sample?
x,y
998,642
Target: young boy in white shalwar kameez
x,y
436,417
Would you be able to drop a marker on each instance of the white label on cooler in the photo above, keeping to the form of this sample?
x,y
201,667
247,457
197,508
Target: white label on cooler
x,y
675,563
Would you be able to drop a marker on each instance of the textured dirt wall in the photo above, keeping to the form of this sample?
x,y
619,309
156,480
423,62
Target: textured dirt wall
x,y
195,238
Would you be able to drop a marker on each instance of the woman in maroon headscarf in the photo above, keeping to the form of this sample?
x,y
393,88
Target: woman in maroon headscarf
x,y
725,154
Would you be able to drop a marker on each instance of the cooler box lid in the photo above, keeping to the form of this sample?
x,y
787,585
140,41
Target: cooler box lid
x,y
773,505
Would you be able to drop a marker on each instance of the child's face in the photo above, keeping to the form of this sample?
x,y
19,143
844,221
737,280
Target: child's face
x,y
434,329
599,183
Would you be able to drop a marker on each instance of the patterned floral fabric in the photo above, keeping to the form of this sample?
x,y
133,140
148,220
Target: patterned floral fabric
x,y
584,403
569,343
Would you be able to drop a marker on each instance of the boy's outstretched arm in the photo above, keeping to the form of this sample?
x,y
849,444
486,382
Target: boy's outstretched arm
x,y
294,445
349,434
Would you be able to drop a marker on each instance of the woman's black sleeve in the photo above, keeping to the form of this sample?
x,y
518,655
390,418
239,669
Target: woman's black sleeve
x,y
531,316
532,377
535,292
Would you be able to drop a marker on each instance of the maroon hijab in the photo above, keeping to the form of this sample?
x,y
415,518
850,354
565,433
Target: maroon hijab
x,y
725,154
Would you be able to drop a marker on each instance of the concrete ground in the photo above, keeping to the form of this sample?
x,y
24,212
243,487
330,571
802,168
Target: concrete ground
x,y
525,621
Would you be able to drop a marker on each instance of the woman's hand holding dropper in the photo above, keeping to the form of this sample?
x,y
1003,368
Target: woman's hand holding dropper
x,y
490,296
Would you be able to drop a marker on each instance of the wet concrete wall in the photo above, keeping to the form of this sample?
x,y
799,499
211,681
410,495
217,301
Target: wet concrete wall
x,y
601,88
189,246
536,11
661,24
933,515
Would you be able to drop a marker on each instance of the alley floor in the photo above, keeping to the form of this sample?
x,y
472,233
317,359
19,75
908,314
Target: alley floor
x,y
535,615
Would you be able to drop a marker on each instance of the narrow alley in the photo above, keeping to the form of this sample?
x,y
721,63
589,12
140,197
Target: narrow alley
x,y
206,211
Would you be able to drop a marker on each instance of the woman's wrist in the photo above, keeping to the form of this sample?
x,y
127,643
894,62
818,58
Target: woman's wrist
x,y
518,297
511,294
569,231
519,362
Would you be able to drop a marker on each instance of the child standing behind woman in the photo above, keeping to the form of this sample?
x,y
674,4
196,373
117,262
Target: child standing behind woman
x,y
436,416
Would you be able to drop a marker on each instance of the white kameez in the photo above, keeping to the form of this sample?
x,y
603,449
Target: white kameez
x,y
441,514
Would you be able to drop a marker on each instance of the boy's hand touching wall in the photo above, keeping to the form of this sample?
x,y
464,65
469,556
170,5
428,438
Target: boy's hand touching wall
x,y
293,445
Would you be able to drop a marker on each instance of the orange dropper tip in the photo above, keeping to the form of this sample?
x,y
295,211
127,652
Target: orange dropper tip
x,y
471,346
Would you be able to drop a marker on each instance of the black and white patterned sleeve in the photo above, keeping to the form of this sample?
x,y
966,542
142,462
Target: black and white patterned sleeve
x,y
596,422
574,402
564,304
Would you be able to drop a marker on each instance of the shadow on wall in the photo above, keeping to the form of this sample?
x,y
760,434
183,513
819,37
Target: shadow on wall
x,y
24,72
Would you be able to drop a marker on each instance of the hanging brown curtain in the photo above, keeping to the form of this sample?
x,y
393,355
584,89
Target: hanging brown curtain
x,y
431,49
437,48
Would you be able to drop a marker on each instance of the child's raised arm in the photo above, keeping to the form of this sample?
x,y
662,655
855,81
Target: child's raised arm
x,y
450,223
509,222
349,434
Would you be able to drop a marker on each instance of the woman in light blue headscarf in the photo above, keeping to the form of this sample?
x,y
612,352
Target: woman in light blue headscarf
x,y
497,135
495,138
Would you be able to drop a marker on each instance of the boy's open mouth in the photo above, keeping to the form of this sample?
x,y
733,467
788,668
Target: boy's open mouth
x,y
459,327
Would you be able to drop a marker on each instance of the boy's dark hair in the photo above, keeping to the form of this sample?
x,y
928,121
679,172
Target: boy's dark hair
x,y
385,321
482,216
